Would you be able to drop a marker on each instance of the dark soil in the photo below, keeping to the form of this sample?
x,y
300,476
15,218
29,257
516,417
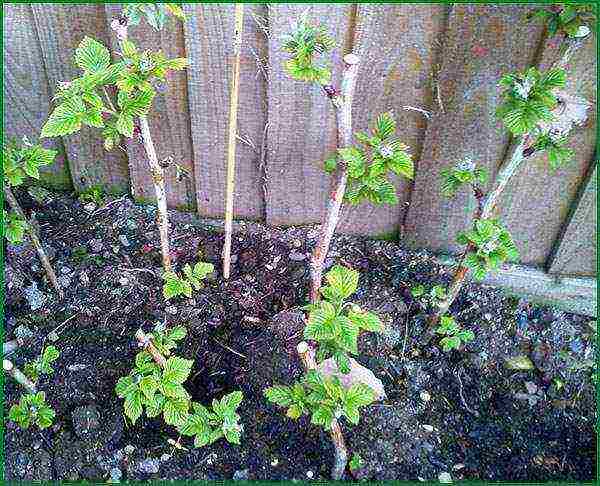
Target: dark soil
x,y
463,413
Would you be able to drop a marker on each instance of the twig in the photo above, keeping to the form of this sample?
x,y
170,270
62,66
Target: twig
x,y
17,375
64,322
229,349
426,113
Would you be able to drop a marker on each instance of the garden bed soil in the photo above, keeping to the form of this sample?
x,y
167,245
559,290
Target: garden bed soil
x,y
462,413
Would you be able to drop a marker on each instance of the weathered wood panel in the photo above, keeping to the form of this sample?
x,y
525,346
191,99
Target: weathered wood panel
x,y
398,46
168,118
577,248
60,29
483,42
537,202
26,96
302,127
209,43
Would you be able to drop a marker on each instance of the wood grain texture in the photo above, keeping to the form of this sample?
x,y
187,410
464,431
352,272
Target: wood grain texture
x,y
537,202
209,42
398,46
577,247
26,95
168,118
302,127
483,42
61,28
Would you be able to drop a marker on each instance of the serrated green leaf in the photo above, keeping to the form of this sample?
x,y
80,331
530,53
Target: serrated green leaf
x,y
65,119
125,387
124,124
91,55
177,369
280,395
133,406
175,411
343,280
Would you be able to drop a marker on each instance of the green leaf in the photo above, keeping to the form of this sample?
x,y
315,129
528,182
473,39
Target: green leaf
x,y
125,124
280,395
14,228
50,354
232,400
342,361
176,64
349,335
385,125
177,369
343,280
177,333
175,411
360,395
137,104
366,320
174,390
330,165
45,417
148,385
125,387
91,55
65,119
294,412
133,406
322,416
402,165
356,462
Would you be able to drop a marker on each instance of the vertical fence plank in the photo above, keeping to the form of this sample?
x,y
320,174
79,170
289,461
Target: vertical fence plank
x,y
26,97
61,28
537,202
398,46
302,130
576,252
483,42
168,118
209,43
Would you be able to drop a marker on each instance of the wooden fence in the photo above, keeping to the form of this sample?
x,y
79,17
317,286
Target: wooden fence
x,y
440,58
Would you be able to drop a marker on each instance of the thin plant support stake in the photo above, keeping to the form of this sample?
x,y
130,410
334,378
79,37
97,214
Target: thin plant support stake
x,y
17,375
519,154
233,107
307,355
12,201
147,344
342,103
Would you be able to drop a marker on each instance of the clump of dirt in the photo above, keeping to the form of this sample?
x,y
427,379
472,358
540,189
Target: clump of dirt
x,y
462,413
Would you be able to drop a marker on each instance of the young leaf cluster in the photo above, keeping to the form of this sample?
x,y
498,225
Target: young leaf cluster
x,y
156,14
80,101
190,279
32,409
492,245
454,336
465,172
334,323
19,162
569,20
94,194
323,398
209,425
528,98
42,365
370,162
14,227
558,153
306,43
432,298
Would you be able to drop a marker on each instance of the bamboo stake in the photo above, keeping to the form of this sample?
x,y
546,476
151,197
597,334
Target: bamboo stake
x,y
147,344
342,103
12,201
17,375
156,170
307,355
233,106
520,153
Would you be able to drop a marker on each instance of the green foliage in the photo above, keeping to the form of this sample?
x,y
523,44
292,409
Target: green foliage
x,y
32,409
465,172
14,227
429,298
356,462
569,20
208,426
492,246
190,279
165,341
306,44
94,194
81,102
528,98
558,153
369,164
155,389
454,336
19,162
336,324
42,365
156,14
322,398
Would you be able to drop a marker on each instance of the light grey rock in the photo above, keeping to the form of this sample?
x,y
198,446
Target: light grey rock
x,y
35,297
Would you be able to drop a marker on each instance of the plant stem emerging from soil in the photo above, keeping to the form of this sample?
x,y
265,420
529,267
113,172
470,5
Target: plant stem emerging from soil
x,y
12,201
18,376
233,106
307,356
486,210
146,343
343,109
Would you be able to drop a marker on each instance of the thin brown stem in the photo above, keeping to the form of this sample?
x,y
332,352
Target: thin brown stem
x,y
147,344
233,107
342,103
17,375
307,355
12,201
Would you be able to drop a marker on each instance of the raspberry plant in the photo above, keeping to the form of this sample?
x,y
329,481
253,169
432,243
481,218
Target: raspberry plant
x,y
21,162
569,20
86,101
155,387
42,365
190,279
454,336
32,409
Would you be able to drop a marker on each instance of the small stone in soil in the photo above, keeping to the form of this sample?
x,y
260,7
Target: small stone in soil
x,y
123,281
149,466
297,257
129,449
116,474
171,310
241,475
35,297
425,396
89,207
64,281
445,477
310,474
123,239
52,337
77,367
531,387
